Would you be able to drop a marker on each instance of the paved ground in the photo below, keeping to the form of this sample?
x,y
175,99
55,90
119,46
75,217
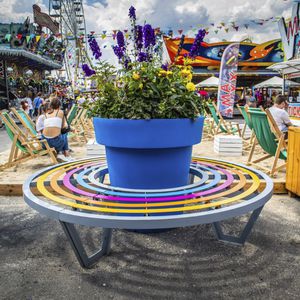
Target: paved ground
x,y
186,263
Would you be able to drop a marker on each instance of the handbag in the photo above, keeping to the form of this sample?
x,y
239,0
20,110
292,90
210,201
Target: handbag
x,y
66,129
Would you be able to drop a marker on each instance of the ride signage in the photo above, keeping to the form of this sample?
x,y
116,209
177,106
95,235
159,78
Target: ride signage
x,y
290,34
227,80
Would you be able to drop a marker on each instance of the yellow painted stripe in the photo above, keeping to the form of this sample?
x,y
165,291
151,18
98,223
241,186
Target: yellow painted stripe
x,y
256,182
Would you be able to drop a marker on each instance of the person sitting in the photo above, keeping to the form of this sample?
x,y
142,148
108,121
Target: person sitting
x,y
280,115
54,122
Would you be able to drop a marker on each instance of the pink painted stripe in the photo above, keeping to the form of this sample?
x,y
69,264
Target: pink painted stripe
x,y
67,184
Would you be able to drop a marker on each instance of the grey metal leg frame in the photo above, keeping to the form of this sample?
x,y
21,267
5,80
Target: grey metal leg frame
x,y
241,239
76,243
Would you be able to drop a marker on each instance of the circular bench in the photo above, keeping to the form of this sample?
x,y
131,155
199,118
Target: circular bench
x,y
78,193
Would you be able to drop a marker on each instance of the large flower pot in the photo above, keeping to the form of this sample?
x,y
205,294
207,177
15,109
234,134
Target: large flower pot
x,y
148,154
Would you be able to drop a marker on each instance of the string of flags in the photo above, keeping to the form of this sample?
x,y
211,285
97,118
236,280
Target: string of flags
x,y
210,28
29,37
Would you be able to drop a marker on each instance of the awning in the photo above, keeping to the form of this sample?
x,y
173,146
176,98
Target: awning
x,y
286,67
276,82
209,82
27,58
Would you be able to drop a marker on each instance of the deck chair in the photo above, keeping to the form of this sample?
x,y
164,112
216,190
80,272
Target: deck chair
x,y
72,114
244,110
25,120
272,143
222,126
23,147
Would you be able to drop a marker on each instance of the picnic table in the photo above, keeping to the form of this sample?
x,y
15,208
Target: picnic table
x,y
78,193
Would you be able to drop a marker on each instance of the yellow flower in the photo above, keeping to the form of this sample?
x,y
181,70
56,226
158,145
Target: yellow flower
x,y
190,87
143,69
140,85
169,72
162,73
185,73
136,76
190,77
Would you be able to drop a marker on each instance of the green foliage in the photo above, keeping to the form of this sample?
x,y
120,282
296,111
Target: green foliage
x,y
145,91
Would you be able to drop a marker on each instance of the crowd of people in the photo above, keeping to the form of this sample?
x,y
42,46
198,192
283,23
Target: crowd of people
x,y
49,114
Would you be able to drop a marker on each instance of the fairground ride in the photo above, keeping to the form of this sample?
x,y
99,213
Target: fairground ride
x,y
70,16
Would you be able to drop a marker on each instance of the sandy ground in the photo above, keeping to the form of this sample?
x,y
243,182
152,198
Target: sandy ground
x,y
23,170
185,263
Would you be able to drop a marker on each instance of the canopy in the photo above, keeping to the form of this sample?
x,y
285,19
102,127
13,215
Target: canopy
x,y
276,82
287,67
209,82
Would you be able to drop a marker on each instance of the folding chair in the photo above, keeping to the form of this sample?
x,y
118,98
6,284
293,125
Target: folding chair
x,y
222,126
23,147
25,120
272,143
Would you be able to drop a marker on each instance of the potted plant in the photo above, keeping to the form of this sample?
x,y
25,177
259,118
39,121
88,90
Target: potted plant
x,y
146,114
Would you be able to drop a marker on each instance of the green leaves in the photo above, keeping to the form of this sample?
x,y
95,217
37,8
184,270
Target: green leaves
x,y
145,91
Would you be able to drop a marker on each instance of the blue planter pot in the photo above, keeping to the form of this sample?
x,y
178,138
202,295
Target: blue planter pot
x,y
148,154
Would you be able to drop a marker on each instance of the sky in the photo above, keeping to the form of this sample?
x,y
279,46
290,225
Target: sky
x,y
107,15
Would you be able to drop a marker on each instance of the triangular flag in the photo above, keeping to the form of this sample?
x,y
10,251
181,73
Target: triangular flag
x,y
216,31
180,31
32,35
37,38
226,29
127,35
7,37
19,36
103,36
246,26
28,38
222,23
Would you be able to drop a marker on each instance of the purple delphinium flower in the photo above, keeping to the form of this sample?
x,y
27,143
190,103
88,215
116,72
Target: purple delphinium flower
x,y
142,56
87,70
165,67
119,51
139,37
131,13
197,43
126,62
149,36
94,47
120,39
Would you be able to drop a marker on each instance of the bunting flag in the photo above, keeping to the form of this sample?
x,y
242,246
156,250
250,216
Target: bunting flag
x,y
227,82
8,37
19,36
28,38
37,38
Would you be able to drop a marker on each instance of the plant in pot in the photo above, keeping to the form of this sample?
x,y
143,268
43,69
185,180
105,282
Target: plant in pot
x,y
146,114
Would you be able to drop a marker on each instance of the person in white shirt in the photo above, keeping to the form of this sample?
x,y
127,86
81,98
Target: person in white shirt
x,y
279,113
43,109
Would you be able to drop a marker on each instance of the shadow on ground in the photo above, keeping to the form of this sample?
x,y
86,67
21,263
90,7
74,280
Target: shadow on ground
x,y
185,263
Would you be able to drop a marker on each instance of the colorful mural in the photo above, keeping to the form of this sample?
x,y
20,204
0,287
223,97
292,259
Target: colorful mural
x,y
251,56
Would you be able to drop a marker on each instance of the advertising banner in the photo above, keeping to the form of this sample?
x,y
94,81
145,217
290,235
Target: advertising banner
x,y
227,80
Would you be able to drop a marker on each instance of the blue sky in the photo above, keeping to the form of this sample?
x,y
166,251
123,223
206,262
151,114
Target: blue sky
x,y
173,14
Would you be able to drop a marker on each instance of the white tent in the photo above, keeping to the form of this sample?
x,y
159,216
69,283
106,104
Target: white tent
x,y
209,82
276,82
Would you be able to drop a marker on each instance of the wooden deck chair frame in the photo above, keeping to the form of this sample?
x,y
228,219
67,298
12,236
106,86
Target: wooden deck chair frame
x,y
29,130
281,145
77,125
227,125
22,148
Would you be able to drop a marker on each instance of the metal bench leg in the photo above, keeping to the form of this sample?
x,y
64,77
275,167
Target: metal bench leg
x,y
241,239
78,248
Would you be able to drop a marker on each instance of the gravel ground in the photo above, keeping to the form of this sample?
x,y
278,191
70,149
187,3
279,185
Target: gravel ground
x,y
185,263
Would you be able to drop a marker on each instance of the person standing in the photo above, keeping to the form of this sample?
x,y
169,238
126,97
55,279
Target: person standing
x,y
37,102
30,106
